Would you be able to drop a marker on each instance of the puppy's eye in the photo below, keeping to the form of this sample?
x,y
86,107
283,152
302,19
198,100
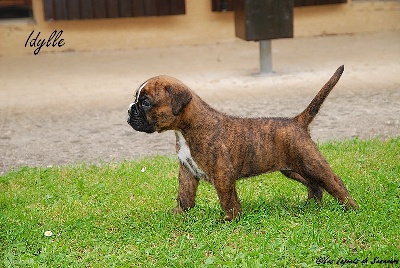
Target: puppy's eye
x,y
145,103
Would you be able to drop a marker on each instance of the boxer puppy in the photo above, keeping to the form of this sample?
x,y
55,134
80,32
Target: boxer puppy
x,y
221,149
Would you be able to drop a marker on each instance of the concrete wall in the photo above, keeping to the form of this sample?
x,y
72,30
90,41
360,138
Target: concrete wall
x,y
198,26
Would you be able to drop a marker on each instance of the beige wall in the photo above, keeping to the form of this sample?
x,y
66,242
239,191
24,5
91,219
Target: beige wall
x,y
198,26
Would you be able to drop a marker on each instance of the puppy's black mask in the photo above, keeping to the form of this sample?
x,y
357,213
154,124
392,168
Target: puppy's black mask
x,y
137,119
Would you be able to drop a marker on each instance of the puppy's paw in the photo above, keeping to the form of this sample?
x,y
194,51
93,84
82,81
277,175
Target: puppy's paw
x,y
178,210
232,215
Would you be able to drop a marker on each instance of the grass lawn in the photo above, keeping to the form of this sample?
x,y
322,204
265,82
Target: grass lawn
x,y
119,215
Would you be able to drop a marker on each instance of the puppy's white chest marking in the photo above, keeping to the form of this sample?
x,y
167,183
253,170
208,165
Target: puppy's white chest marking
x,y
186,158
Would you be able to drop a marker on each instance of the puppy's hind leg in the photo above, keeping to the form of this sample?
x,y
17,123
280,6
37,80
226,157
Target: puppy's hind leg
x,y
314,190
318,170
334,185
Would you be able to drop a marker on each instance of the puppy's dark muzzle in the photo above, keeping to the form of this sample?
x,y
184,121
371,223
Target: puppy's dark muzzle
x,y
137,119
132,112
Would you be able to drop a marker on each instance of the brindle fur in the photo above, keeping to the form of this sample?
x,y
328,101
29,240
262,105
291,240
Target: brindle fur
x,y
228,148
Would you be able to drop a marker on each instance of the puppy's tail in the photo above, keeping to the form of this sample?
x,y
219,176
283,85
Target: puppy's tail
x,y
307,116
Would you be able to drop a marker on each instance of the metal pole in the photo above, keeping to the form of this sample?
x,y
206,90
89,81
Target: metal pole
x,y
265,57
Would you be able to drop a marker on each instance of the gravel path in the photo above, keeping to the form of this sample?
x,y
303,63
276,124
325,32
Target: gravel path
x,y
58,109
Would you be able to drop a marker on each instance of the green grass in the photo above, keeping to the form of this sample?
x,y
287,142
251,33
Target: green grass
x,y
115,215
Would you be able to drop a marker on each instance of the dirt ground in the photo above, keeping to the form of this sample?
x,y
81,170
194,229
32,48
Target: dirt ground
x,y
63,108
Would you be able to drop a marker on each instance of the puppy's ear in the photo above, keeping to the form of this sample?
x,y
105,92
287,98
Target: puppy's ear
x,y
180,97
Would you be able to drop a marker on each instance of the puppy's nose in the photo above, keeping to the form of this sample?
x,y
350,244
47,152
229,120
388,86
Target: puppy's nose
x,y
133,110
130,107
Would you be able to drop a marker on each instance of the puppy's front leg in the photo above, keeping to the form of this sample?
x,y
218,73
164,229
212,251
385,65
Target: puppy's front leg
x,y
228,198
187,190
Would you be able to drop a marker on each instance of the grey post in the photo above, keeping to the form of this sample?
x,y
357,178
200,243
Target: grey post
x,y
262,21
265,57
